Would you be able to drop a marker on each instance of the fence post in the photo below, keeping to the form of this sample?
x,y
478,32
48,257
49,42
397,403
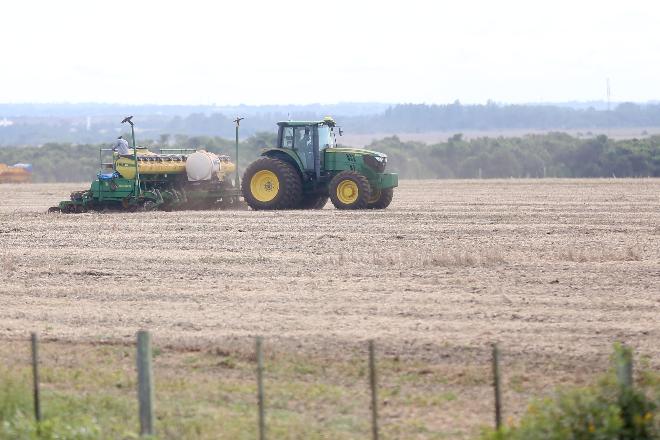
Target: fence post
x,y
145,383
496,386
260,388
35,376
624,367
374,392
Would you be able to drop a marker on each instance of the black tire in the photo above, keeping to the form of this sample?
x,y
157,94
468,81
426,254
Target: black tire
x,y
384,199
289,191
313,201
360,200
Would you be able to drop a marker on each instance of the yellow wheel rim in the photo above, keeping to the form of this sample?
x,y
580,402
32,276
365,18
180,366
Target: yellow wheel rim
x,y
347,192
264,185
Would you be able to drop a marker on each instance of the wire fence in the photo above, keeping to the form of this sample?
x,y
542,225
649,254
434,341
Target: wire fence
x,y
146,392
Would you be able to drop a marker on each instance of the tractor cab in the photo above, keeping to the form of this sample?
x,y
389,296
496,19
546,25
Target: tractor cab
x,y
308,140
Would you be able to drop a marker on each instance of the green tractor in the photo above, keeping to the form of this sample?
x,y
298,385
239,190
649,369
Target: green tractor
x,y
306,168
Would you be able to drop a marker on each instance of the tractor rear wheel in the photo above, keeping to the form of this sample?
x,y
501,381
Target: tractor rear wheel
x,y
270,183
313,201
349,190
384,199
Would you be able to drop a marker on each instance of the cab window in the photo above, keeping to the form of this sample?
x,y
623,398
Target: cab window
x,y
287,137
326,137
302,138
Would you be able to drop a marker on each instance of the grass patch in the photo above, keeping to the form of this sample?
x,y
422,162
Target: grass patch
x,y
605,410
90,392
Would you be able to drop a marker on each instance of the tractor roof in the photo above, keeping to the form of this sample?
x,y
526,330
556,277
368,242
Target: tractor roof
x,y
326,121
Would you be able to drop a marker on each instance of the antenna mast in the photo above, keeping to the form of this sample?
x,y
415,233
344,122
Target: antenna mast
x,y
237,121
609,94
609,115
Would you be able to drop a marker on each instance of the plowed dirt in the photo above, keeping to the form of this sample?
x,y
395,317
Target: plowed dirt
x,y
555,270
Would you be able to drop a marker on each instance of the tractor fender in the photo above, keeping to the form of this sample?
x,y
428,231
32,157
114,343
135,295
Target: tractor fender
x,y
285,155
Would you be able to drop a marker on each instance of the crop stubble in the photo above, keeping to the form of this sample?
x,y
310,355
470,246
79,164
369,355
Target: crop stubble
x,y
555,270
558,266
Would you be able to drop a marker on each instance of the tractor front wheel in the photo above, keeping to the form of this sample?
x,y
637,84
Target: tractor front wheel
x,y
384,199
349,190
270,183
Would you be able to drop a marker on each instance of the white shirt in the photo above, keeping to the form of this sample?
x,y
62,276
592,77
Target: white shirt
x,y
121,147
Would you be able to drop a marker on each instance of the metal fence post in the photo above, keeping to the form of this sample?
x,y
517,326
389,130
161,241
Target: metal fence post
x,y
35,376
496,386
145,383
374,391
260,388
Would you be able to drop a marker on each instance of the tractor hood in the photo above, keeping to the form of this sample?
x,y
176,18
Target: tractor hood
x,y
359,151
373,160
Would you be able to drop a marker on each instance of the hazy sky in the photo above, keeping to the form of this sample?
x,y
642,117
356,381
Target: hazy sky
x,y
296,52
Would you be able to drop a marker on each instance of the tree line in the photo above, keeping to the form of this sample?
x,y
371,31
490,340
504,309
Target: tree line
x,y
548,155
413,118
402,118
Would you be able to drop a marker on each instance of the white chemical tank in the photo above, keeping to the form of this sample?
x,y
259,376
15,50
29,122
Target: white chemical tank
x,y
202,165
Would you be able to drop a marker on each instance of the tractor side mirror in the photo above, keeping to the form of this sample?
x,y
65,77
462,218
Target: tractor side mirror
x,y
341,132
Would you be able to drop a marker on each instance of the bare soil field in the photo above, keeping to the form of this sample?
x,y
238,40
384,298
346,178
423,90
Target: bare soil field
x,y
555,270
